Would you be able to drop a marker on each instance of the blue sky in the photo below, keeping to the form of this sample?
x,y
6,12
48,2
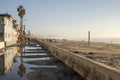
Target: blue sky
x,y
68,18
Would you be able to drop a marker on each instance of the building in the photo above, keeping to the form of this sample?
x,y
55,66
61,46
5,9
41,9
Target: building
x,y
7,30
7,59
18,32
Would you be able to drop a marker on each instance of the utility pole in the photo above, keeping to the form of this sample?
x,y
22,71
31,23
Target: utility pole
x,y
88,38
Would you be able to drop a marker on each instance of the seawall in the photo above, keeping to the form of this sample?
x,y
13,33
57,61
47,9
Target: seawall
x,y
89,69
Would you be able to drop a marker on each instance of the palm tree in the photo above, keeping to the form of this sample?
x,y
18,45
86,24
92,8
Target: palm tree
x,y
21,13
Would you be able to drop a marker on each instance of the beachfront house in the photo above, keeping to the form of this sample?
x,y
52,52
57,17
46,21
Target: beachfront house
x,y
7,32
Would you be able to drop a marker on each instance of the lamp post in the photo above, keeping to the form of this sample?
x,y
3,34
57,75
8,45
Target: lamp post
x,y
88,38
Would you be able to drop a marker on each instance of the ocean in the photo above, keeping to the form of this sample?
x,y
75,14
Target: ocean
x,y
105,40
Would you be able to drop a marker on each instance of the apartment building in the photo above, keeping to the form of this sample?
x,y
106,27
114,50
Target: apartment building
x,y
17,37
7,30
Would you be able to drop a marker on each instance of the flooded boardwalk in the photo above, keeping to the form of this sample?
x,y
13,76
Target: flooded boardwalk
x,y
32,62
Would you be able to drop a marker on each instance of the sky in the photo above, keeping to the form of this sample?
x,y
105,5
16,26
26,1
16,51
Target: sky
x,y
68,18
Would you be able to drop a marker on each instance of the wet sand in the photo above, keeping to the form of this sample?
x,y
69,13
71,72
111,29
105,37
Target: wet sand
x,y
58,72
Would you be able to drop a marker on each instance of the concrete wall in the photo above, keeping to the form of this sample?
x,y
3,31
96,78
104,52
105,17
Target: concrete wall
x,y
89,69
2,45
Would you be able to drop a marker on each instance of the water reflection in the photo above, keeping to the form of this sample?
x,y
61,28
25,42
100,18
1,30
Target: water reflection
x,y
22,68
8,58
12,65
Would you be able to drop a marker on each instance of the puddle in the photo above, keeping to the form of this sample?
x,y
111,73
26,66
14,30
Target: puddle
x,y
33,49
10,62
34,59
12,72
29,54
27,47
45,66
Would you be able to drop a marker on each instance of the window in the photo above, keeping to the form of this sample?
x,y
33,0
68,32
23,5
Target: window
x,y
1,34
1,20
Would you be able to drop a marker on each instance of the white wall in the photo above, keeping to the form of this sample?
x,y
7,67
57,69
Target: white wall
x,y
2,45
8,29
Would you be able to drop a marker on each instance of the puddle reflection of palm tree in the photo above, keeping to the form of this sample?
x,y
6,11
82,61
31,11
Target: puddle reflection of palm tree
x,y
22,68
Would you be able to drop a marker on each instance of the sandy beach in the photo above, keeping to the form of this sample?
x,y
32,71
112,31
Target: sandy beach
x,y
106,53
